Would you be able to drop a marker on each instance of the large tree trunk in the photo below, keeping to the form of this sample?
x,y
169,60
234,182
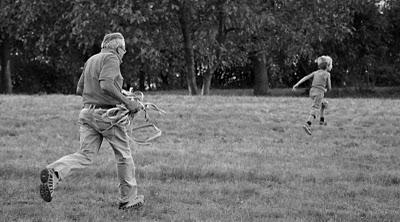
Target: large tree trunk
x,y
142,80
164,81
184,20
220,38
260,74
5,73
207,77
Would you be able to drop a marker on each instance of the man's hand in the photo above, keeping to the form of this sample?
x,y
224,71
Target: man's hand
x,y
134,106
79,91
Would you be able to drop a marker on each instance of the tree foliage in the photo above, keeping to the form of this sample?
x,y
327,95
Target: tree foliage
x,y
199,44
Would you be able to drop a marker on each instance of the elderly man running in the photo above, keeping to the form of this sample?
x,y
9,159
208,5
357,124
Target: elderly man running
x,y
100,86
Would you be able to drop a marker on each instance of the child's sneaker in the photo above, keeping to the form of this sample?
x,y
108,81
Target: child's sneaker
x,y
49,181
132,204
307,128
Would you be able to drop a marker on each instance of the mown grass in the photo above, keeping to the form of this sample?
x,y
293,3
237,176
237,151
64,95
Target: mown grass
x,y
221,158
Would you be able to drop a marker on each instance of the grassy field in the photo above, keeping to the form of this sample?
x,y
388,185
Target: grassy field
x,y
349,92
221,158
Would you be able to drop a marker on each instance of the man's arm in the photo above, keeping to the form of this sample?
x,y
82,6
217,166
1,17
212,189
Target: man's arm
x,y
79,88
110,89
305,78
107,75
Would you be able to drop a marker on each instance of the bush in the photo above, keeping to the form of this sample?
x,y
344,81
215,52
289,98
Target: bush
x,y
39,77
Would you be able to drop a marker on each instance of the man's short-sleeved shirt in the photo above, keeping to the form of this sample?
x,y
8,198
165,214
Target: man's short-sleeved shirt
x,y
103,66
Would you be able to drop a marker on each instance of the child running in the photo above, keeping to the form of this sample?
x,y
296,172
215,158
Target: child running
x,y
320,85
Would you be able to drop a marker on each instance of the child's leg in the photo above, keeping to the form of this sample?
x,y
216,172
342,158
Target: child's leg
x,y
313,113
315,108
310,118
324,106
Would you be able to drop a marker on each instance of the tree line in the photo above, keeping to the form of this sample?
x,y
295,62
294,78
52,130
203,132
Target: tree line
x,y
200,44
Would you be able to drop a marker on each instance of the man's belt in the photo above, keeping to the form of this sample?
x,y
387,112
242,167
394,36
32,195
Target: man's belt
x,y
98,106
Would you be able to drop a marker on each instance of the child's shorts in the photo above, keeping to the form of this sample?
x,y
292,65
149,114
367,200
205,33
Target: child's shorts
x,y
318,101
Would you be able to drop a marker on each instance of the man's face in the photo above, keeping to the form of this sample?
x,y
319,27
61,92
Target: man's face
x,y
121,51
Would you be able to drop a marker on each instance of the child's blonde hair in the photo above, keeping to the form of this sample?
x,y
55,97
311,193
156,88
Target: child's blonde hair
x,y
324,62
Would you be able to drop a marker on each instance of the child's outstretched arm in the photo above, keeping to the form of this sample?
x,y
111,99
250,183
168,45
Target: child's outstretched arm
x,y
305,78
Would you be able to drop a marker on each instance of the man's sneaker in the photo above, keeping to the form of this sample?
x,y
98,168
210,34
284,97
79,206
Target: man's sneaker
x,y
132,204
322,123
307,128
49,181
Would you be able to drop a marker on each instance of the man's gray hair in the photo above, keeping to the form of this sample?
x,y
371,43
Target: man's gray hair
x,y
113,41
